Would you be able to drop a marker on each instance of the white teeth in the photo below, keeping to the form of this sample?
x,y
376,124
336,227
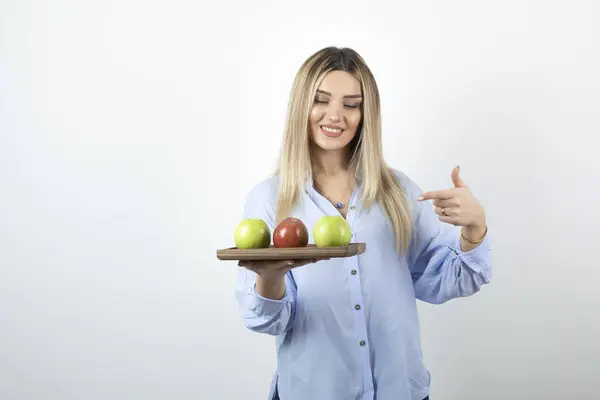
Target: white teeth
x,y
332,130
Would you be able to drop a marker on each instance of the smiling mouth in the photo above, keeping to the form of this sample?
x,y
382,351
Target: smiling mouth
x,y
330,131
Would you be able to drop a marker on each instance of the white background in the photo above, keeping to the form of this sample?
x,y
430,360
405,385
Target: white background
x,y
120,121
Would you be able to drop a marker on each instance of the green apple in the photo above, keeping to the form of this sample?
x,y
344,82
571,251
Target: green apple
x,y
331,230
252,233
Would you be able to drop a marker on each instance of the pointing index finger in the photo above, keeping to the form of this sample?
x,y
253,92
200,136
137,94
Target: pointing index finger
x,y
437,194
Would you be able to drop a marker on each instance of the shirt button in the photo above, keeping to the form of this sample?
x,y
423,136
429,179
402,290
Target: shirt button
x,y
362,343
353,208
357,307
353,272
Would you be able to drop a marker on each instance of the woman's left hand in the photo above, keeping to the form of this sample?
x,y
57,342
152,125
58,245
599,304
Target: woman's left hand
x,y
457,205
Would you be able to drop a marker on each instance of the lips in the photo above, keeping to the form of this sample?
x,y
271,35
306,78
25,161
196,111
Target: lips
x,y
331,131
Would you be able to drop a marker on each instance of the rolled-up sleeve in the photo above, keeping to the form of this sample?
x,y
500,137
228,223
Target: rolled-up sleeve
x,y
261,314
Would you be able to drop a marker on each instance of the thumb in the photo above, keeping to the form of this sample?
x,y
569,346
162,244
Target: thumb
x,y
456,179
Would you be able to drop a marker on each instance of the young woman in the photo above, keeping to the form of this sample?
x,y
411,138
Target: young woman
x,y
348,328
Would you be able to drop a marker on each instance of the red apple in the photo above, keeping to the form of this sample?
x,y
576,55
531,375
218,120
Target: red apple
x,y
291,232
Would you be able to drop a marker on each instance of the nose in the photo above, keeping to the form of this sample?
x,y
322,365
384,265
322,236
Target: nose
x,y
334,114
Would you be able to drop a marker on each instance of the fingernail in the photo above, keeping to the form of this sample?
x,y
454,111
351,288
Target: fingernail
x,y
420,198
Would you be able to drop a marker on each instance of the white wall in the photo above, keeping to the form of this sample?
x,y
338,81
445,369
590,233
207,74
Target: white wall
x,y
118,119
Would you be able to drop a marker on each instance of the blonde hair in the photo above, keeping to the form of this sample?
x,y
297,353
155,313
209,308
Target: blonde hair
x,y
379,183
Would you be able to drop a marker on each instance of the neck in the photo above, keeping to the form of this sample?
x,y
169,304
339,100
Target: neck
x,y
329,163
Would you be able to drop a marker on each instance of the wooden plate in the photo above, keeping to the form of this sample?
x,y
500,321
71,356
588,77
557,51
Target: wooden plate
x,y
291,253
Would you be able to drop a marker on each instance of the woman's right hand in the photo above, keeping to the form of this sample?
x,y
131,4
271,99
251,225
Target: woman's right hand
x,y
275,268
270,279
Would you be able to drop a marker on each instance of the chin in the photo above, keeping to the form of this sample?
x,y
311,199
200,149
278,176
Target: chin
x,y
331,145
328,142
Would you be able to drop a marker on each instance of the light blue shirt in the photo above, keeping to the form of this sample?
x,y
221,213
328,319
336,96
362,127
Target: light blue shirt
x,y
347,328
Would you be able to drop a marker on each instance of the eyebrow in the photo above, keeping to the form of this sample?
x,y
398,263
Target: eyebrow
x,y
349,96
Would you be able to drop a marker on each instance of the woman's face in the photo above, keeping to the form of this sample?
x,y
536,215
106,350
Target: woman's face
x,y
336,114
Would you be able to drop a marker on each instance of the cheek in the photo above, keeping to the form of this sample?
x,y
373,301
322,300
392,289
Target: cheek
x,y
353,120
315,115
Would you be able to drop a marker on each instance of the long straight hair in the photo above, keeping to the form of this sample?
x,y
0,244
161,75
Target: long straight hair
x,y
379,183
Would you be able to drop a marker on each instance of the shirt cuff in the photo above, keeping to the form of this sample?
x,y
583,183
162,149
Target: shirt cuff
x,y
264,306
477,259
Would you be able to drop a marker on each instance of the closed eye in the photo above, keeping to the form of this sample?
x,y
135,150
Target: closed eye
x,y
345,105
